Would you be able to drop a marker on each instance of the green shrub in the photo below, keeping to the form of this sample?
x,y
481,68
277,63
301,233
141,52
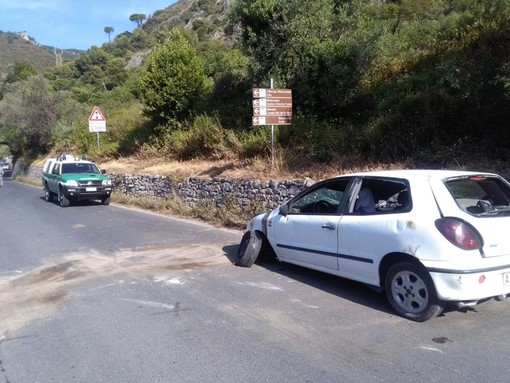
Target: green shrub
x,y
204,138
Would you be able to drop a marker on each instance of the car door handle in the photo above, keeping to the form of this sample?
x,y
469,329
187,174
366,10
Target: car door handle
x,y
329,226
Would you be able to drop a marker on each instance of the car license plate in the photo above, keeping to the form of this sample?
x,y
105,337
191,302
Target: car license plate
x,y
506,279
90,189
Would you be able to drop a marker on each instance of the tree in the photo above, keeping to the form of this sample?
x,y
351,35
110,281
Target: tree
x,y
28,113
94,67
109,31
173,81
21,71
138,18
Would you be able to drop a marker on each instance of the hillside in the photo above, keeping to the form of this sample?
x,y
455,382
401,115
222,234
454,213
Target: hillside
x,y
19,47
205,17
374,84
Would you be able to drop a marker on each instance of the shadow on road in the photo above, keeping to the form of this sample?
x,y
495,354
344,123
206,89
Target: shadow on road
x,y
343,288
76,203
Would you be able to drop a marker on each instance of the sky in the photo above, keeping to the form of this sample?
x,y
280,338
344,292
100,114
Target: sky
x,y
78,24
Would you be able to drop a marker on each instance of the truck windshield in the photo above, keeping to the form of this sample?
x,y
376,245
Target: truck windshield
x,y
79,168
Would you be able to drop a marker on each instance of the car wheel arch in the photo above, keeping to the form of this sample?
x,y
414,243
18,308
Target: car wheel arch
x,y
392,258
267,252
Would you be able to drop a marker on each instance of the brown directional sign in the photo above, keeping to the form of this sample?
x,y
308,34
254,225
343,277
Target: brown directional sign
x,y
272,106
272,93
271,120
272,102
272,111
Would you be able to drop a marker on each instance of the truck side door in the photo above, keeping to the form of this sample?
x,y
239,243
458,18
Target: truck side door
x,y
53,177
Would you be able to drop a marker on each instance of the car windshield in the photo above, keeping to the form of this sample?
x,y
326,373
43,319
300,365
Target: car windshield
x,y
79,168
481,195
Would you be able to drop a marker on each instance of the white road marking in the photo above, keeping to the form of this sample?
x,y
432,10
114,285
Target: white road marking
x,y
168,281
261,285
431,349
149,303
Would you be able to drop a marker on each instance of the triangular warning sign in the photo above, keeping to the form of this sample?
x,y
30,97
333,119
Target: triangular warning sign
x,y
96,115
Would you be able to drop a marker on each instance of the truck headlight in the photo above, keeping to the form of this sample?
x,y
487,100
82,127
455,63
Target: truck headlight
x,y
106,183
71,183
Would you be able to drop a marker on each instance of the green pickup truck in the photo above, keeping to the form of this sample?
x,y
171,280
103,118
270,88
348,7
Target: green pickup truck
x,y
70,179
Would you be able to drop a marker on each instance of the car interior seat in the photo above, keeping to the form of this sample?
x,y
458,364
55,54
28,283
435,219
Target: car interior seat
x,y
365,203
403,200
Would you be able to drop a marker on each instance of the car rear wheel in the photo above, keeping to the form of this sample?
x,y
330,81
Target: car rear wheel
x,y
48,195
249,249
411,292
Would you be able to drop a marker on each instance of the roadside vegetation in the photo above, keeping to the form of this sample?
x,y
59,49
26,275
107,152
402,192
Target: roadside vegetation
x,y
406,83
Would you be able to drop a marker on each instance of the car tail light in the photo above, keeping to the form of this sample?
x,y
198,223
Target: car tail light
x,y
460,233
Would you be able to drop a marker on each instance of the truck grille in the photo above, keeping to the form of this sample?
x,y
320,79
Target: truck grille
x,y
89,183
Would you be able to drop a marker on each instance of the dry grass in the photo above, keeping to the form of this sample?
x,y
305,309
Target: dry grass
x,y
257,168
263,169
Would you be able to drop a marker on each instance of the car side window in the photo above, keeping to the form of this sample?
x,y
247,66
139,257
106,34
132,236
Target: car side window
x,y
321,199
381,196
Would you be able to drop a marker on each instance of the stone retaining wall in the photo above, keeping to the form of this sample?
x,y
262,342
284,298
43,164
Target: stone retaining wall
x,y
194,189
219,190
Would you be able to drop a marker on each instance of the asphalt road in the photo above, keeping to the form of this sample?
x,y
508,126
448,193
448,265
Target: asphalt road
x,y
94,293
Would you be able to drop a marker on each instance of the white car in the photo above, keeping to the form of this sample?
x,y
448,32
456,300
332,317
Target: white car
x,y
425,237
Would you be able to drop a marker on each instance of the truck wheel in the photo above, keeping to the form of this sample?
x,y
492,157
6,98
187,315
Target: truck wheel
x,y
48,195
64,201
105,200
249,249
411,292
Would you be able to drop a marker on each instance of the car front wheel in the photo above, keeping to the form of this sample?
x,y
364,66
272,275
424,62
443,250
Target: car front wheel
x,y
249,249
62,199
411,292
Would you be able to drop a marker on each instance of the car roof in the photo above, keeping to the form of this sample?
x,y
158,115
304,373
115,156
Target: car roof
x,y
76,162
413,173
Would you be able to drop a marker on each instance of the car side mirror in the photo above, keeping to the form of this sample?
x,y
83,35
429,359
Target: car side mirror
x,y
284,210
103,171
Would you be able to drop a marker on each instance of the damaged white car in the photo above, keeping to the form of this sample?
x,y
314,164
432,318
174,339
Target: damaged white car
x,y
425,237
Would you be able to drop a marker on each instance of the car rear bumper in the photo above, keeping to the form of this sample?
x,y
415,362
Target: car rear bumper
x,y
472,285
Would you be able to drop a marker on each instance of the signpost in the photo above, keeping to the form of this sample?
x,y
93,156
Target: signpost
x,y
97,122
272,107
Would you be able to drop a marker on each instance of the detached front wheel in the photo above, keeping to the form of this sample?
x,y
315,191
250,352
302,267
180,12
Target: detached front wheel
x,y
411,292
249,249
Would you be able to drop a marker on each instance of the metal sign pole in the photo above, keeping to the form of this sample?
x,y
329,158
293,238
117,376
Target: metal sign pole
x,y
97,139
272,138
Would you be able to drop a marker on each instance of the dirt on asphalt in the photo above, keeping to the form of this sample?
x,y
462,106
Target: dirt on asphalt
x,y
35,293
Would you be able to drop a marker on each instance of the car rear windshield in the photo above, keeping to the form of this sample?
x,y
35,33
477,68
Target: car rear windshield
x,y
481,195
